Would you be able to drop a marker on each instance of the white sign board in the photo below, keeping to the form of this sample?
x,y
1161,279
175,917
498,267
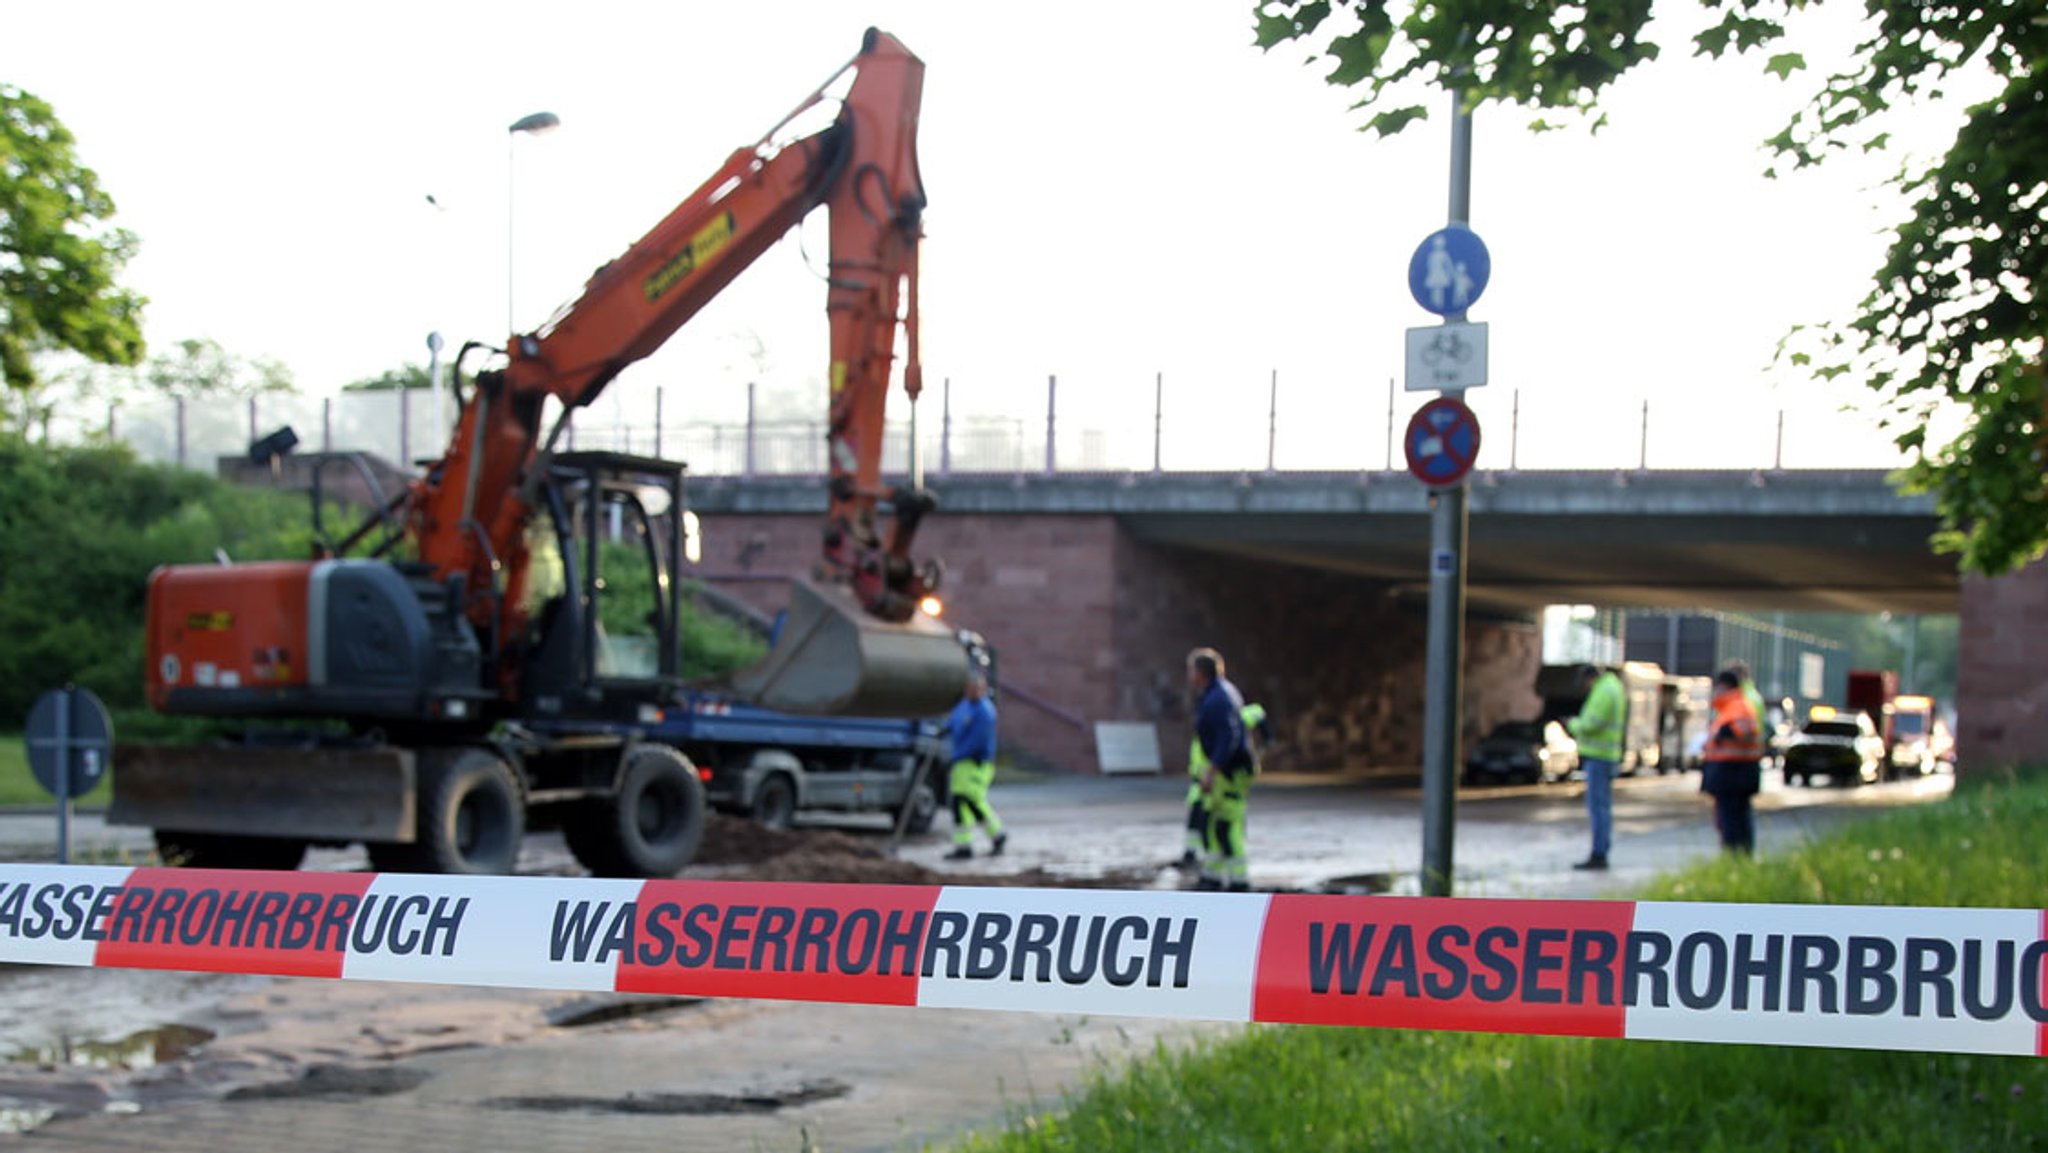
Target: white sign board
x,y
1127,746
1813,675
1446,356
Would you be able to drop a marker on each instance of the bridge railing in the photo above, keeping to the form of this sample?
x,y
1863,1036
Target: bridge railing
x,y
1081,431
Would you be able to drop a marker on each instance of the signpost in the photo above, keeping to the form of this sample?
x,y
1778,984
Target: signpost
x,y
1446,276
70,742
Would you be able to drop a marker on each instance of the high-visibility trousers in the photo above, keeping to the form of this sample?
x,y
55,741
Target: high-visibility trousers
x,y
968,782
1225,843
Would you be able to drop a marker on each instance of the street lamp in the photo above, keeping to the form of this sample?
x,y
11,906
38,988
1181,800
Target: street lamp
x,y
532,125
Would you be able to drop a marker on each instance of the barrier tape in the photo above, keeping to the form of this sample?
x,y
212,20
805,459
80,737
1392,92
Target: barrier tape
x,y
1922,979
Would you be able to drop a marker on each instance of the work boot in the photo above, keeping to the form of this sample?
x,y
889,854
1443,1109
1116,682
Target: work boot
x,y
1209,885
1240,885
1597,863
996,850
1189,861
961,853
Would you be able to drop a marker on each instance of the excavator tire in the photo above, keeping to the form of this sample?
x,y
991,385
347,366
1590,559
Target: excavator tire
x,y
775,802
472,818
227,851
924,808
834,658
649,827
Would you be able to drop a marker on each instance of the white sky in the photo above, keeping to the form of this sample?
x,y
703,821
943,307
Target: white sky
x,y
1116,190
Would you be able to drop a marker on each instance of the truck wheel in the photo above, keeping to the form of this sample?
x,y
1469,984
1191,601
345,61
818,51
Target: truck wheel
x,y
650,827
775,802
227,851
924,809
471,820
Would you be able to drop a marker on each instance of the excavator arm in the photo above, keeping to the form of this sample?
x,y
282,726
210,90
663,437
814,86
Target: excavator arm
x,y
468,515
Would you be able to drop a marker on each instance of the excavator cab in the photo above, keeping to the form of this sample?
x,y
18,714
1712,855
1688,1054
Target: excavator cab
x,y
600,597
603,600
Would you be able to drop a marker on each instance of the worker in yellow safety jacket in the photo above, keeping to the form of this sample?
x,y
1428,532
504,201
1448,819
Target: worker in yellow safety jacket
x,y
1598,731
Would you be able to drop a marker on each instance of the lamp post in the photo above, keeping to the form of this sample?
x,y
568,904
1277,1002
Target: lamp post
x,y
533,124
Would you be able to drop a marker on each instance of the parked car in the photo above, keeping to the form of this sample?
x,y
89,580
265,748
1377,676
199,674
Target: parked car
x,y
1526,752
1845,748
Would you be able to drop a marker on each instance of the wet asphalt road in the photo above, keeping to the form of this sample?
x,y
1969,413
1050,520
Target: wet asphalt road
x,y
1306,832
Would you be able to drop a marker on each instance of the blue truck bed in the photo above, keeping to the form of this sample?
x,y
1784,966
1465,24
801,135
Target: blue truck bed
x,y
712,719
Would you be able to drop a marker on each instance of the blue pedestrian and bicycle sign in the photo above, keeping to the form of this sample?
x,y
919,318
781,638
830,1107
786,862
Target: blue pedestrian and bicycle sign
x,y
1442,442
1449,270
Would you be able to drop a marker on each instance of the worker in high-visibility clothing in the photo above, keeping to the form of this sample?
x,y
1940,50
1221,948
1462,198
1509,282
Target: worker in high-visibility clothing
x,y
1196,845
1227,781
1732,772
1756,705
1598,731
971,731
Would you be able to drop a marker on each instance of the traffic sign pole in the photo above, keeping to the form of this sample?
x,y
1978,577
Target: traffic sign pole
x,y
64,775
1443,674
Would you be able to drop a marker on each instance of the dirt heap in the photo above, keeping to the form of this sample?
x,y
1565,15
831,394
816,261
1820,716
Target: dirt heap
x,y
830,855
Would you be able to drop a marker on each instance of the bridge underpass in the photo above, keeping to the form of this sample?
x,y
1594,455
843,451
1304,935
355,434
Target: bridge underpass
x,y
1093,587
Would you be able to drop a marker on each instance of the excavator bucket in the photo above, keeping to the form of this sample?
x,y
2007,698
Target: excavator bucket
x,y
833,658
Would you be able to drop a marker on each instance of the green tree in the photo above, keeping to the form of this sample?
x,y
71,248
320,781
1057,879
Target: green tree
x,y
80,530
58,256
406,377
1955,314
200,369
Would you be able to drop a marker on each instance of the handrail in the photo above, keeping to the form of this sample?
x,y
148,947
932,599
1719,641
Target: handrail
x,y
384,507
1008,689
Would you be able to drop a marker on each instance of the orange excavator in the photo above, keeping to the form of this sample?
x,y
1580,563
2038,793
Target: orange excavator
x,y
452,653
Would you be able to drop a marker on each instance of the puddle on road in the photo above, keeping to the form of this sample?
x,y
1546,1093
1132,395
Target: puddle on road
x,y
141,1050
1360,884
338,1081
603,1010
681,1104
20,1117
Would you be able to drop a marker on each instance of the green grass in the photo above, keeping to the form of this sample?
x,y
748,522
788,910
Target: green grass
x,y
18,786
1283,1087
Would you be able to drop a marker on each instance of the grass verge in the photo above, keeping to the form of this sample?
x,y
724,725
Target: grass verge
x,y
1285,1087
18,786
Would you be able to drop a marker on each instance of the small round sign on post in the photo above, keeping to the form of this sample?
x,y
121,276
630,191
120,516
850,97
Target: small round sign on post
x,y
70,741
1442,442
1449,270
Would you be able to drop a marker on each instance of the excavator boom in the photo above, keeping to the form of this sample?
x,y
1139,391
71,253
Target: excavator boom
x,y
867,642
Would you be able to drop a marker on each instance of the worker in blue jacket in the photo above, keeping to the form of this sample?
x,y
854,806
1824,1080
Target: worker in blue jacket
x,y
971,730
1220,733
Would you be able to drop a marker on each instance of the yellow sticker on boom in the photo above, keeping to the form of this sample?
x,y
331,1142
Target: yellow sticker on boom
x,y
219,621
702,247
838,377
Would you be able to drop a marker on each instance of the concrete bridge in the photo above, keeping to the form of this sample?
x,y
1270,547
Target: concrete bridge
x,y
1094,586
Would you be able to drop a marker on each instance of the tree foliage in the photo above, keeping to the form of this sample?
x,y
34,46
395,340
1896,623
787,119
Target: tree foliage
x,y
58,256
1955,314
80,530
404,378
200,369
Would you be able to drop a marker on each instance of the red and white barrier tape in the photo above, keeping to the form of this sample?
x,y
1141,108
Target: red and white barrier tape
x,y
1950,980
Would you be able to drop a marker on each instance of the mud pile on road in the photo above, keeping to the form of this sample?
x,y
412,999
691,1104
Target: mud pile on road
x,y
829,855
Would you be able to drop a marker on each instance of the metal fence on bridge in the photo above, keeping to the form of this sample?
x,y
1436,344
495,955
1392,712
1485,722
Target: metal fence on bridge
x,y
1073,433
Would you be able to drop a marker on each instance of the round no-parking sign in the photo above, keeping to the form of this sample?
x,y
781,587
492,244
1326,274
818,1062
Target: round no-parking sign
x,y
1442,442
